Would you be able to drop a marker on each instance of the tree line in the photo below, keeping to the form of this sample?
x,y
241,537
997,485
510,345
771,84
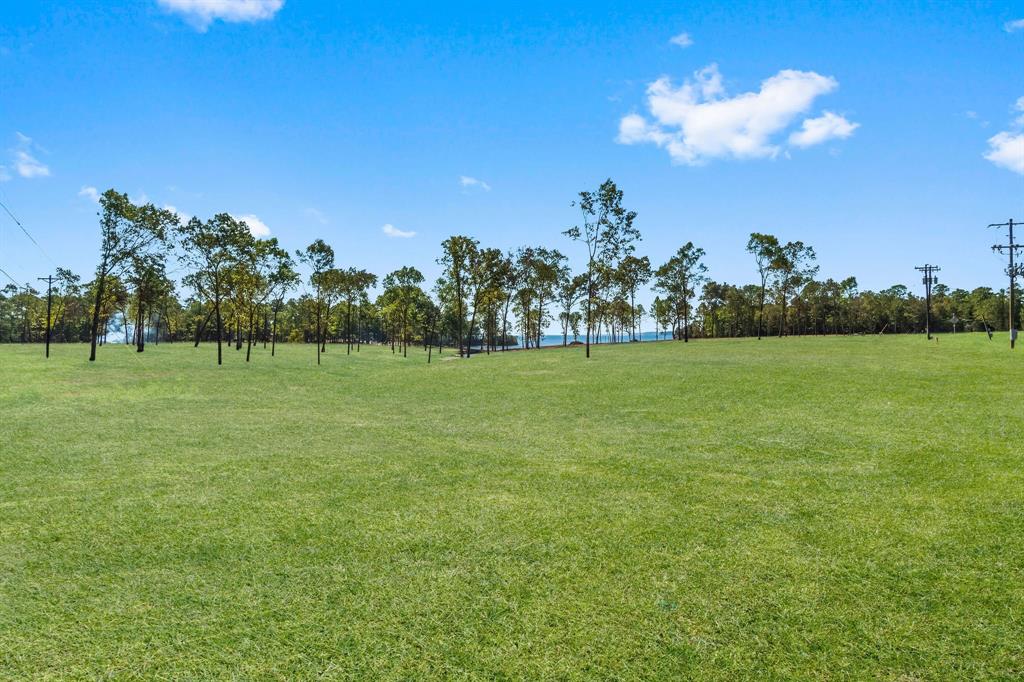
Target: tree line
x,y
237,290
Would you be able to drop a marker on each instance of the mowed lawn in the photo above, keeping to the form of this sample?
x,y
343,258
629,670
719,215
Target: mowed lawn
x,y
825,508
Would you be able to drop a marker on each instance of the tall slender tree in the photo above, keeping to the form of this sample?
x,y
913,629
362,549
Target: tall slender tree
x,y
794,266
127,231
457,257
632,274
606,229
679,279
211,249
319,257
766,252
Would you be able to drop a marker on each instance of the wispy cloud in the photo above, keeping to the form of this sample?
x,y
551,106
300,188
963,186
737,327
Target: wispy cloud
x,y
829,126
696,122
473,183
1006,149
202,13
393,232
681,40
24,160
90,193
257,228
316,214
1015,25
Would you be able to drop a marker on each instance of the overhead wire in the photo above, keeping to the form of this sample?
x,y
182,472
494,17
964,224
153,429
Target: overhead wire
x,y
27,234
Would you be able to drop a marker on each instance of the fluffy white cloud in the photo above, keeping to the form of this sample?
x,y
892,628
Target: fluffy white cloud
x,y
697,122
468,182
1015,25
1006,149
202,13
826,127
90,193
257,228
681,40
393,232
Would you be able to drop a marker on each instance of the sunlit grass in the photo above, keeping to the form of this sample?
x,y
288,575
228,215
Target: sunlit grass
x,y
805,507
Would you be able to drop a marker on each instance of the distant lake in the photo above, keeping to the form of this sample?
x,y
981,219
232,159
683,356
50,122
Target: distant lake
x,y
556,339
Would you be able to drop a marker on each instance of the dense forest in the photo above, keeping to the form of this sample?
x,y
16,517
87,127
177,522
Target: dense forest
x,y
237,290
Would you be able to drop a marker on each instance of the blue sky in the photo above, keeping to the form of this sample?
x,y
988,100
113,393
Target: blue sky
x,y
333,120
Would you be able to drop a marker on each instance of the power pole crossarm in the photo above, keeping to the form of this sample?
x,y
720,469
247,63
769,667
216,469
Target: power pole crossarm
x,y
1010,249
928,280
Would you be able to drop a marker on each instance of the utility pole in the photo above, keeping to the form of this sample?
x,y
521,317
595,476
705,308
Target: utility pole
x,y
928,280
49,306
1013,270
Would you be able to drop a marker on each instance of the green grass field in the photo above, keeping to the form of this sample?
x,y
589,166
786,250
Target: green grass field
x,y
800,508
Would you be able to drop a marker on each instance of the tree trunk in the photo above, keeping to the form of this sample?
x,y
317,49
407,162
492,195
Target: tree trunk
x,y
760,314
141,330
202,326
220,329
273,335
590,300
348,329
101,283
252,322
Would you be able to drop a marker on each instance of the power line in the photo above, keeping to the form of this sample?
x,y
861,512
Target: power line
x,y
1013,270
31,238
9,277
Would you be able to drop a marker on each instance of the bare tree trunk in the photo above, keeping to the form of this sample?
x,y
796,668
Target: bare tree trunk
x,y
101,278
202,327
220,329
252,322
273,334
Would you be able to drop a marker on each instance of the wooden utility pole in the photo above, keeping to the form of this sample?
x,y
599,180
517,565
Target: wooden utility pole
x,y
1013,270
49,306
928,280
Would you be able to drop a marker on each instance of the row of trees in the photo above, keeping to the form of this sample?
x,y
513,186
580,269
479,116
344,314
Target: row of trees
x,y
236,291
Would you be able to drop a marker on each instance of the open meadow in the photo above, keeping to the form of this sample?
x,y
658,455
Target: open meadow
x,y
841,507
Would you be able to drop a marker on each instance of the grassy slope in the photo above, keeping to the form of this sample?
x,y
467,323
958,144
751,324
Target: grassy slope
x,y
843,507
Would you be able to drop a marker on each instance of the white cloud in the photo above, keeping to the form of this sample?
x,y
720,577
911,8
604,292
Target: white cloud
x,y
681,40
316,215
257,228
29,166
90,193
697,122
182,218
469,182
24,161
202,13
1006,149
392,231
1015,25
826,127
